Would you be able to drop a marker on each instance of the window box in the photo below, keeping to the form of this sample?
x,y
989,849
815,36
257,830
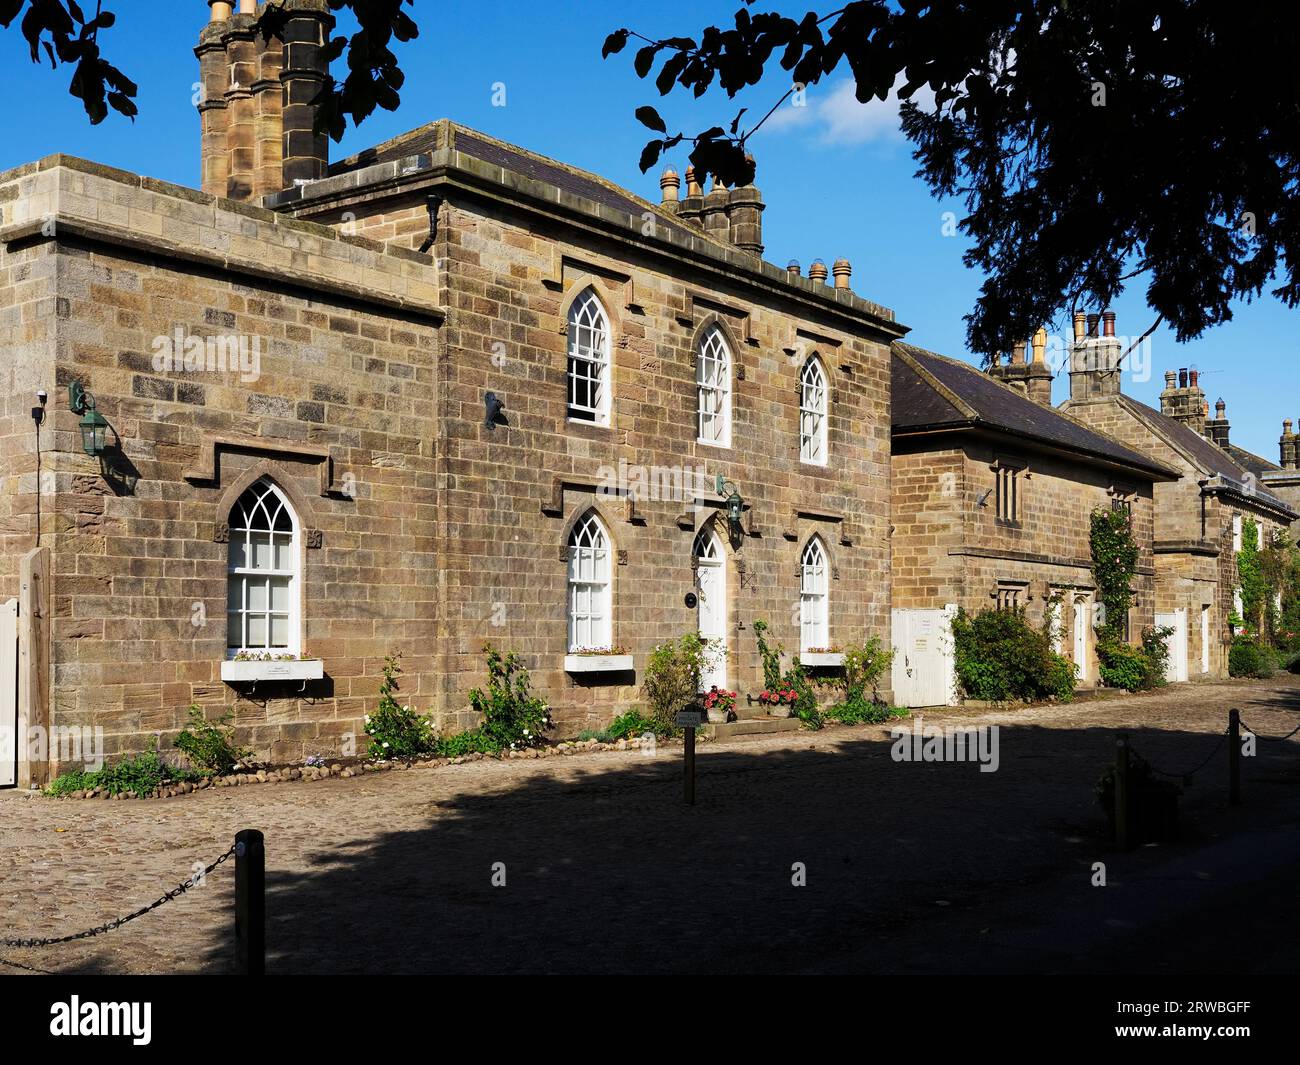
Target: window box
x,y
597,663
819,659
249,670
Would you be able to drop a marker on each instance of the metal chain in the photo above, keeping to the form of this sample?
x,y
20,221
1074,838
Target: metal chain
x,y
176,892
1264,737
1187,776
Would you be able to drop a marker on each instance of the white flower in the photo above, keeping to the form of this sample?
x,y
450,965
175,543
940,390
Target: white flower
x,y
385,743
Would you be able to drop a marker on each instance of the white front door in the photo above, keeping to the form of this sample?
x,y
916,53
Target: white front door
x,y
1205,639
711,591
923,667
1081,621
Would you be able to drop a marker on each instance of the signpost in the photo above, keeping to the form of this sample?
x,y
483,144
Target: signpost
x,y
690,720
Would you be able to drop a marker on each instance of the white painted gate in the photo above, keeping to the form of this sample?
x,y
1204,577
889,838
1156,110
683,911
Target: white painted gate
x,y
1176,665
923,670
711,589
9,694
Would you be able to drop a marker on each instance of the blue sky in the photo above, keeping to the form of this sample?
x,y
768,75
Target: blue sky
x,y
837,178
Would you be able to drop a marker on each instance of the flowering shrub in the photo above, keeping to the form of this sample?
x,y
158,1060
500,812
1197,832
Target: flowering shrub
x,y
794,679
672,678
511,716
781,697
396,730
210,745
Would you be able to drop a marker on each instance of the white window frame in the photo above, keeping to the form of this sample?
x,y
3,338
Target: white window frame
x,y
814,596
590,594
713,389
241,532
588,352
1236,533
814,412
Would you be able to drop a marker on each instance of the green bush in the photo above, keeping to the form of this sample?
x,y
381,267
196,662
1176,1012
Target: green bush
x,y
864,665
1123,666
631,724
672,679
209,745
512,717
396,730
1248,658
864,712
1000,656
794,679
139,774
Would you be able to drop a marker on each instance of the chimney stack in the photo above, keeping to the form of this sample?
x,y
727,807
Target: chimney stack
x,y
1289,456
745,218
255,109
1186,402
692,206
1216,428
1034,378
715,213
1094,358
306,152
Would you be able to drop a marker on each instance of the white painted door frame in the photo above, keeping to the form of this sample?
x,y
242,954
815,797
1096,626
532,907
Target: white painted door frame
x,y
9,738
711,609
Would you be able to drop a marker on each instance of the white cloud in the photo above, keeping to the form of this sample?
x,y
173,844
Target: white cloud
x,y
833,115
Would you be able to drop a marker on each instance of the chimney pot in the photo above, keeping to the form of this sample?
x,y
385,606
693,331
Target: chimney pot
x,y
1171,378
1093,319
669,183
817,271
792,268
1108,318
1080,320
1040,344
1195,376
1018,353
248,7
842,271
1182,378
221,10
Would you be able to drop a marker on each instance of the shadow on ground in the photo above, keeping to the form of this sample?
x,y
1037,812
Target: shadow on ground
x,y
909,867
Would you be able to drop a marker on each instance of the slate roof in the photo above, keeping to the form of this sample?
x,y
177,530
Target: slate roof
x,y
1205,454
1256,464
931,391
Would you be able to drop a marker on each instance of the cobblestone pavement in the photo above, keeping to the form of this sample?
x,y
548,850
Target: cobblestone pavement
x,y
607,870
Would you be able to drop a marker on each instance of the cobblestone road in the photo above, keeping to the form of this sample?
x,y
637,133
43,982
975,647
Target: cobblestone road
x,y
606,870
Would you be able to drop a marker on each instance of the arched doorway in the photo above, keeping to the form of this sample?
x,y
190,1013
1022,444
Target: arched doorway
x,y
711,593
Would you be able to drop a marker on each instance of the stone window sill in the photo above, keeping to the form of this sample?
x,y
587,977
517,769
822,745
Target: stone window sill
x,y
237,671
597,663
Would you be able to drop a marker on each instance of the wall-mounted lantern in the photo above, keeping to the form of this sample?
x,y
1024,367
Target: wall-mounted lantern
x,y
735,508
93,424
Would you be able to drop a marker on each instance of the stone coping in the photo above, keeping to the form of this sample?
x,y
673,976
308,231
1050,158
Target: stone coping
x,y
62,196
450,166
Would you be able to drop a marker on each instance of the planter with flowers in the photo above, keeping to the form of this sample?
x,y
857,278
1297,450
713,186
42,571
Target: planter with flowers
x,y
822,657
719,705
779,702
248,666
597,660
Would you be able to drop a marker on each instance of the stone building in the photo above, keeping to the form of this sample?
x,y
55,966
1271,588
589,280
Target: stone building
x,y
992,495
1198,517
442,393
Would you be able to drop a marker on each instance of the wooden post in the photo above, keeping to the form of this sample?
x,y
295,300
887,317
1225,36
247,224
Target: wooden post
x,y
1234,757
250,903
690,765
1121,792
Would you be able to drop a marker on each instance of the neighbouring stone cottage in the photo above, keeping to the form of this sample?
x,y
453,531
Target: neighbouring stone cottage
x,y
444,392
1198,517
991,501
